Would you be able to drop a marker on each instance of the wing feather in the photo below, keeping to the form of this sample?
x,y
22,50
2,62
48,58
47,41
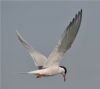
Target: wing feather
x,y
39,59
66,41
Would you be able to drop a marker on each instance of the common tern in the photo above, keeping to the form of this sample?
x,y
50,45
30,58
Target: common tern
x,y
49,66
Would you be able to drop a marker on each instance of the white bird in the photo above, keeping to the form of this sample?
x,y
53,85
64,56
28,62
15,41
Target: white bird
x,y
50,66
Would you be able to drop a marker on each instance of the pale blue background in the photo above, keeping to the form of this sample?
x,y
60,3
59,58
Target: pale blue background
x,y
41,24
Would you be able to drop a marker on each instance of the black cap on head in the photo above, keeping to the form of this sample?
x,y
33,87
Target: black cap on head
x,y
64,69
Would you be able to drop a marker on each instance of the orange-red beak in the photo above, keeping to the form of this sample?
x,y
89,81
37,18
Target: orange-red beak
x,y
65,77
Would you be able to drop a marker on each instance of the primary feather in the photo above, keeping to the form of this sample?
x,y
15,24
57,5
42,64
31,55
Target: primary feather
x,y
66,41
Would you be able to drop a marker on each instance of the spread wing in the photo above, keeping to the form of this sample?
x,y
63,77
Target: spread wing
x,y
39,59
66,41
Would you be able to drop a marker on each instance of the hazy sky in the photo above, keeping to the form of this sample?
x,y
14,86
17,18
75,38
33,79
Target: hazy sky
x,y
41,24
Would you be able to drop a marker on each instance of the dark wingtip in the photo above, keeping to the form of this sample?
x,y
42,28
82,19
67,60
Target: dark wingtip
x,y
80,12
76,16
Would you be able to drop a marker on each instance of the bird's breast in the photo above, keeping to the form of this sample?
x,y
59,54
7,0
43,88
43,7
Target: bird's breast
x,y
52,70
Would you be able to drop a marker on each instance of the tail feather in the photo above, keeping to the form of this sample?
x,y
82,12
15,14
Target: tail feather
x,y
24,73
31,72
37,72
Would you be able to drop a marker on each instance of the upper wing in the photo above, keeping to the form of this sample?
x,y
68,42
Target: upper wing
x,y
66,41
38,58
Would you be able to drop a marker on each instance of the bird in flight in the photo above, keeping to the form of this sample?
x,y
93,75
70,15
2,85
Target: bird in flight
x,y
49,66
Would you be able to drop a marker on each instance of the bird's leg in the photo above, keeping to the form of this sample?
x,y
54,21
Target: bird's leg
x,y
39,76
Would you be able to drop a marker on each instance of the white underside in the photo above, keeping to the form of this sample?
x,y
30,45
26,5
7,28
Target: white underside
x,y
54,70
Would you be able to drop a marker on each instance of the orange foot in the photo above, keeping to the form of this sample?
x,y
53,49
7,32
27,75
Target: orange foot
x,y
39,76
